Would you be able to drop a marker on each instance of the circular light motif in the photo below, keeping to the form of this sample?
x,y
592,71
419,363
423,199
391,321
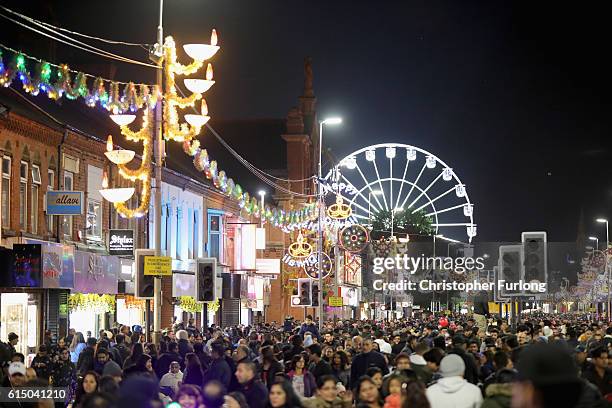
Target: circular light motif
x,y
354,238
311,267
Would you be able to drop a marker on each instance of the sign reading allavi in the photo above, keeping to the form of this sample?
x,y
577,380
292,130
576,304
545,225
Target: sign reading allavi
x,y
64,203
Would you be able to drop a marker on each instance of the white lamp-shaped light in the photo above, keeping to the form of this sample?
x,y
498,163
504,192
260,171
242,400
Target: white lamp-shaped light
x,y
117,156
115,195
123,120
202,52
198,85
199,120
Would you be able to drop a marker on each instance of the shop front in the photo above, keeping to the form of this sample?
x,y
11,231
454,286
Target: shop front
x,y
35,279
93,302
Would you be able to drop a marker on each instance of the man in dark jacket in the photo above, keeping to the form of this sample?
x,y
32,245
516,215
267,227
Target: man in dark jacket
x,y
86,358
459,348
296,347
368,358
254,391
318,367
598,372
309,326
42,363
219,369
183,343
121,349
163,362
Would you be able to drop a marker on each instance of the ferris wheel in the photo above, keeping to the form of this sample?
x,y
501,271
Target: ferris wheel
x,y
399,177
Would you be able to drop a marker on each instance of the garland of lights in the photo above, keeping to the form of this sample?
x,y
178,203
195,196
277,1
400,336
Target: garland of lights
x,y
288,220
143,173
173,130
131,99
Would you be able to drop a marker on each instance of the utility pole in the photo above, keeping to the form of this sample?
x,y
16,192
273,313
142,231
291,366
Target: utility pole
x,y
159,156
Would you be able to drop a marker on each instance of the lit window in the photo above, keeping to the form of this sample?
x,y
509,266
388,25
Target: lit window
x,y
50,184
67,219
23,196
6,191
34,199
215,235
93,227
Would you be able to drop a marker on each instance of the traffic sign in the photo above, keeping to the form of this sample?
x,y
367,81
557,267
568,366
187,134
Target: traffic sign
x,y
158,265
335,301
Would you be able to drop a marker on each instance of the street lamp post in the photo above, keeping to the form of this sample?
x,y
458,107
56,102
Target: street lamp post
x,y
159,154
262,195
606,269
328,121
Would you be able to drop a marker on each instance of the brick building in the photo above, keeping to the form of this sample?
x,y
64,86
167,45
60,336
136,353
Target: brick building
x,y
48,146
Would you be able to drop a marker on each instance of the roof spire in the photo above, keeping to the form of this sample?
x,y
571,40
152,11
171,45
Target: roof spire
x,y
308,91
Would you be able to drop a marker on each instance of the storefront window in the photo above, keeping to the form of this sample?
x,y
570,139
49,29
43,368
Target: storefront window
x,y
19,315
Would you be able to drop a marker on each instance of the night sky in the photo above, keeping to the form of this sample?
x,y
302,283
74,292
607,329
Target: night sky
x,y
515,98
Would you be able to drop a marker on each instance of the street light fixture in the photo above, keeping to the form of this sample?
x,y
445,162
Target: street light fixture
x,y
327,121
596,242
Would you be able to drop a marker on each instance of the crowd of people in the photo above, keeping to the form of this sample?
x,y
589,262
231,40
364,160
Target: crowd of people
x,y
432,361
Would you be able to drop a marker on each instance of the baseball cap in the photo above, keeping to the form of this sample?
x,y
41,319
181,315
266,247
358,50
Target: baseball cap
x,y
17,367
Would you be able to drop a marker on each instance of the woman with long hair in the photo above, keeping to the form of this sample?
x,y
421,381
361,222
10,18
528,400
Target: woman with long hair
x,y
193,370
302,381
270,366
76,346
235,400
282,395
88,385
414,395
151,349
366,393
340,368
137,351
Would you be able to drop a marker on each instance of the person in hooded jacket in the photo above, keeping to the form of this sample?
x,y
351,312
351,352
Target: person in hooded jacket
x,y
499,393
452,390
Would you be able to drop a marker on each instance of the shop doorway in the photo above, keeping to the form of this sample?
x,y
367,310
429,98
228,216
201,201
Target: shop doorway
x,y
20,314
